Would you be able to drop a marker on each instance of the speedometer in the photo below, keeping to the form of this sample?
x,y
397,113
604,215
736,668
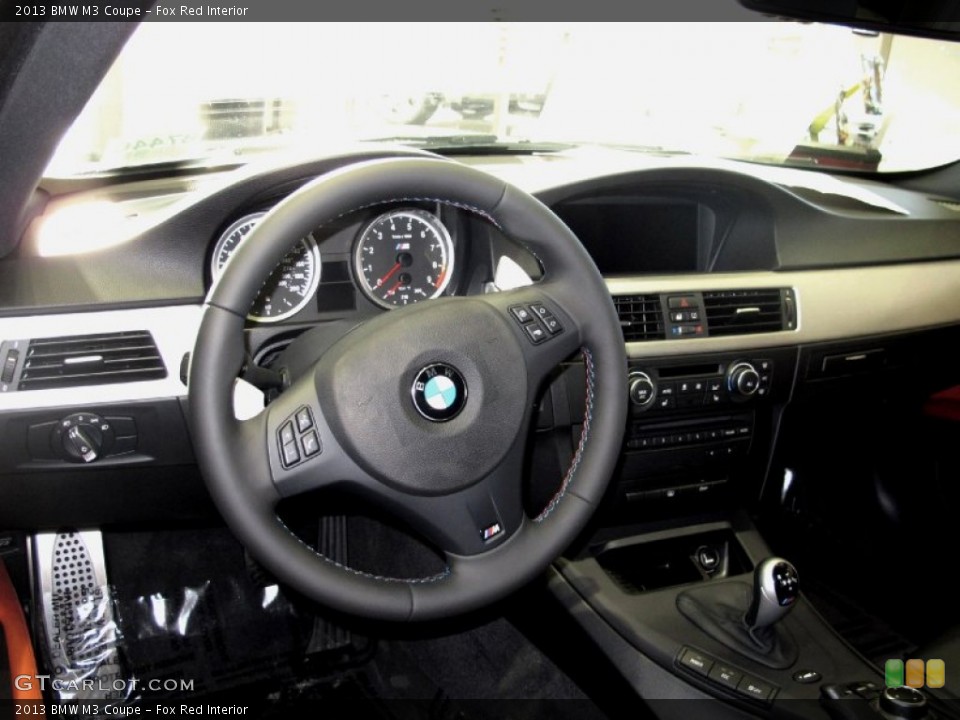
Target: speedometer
x,y
402,257
291,284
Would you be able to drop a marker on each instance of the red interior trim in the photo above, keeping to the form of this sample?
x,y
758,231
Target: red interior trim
x,y
19,645
944,405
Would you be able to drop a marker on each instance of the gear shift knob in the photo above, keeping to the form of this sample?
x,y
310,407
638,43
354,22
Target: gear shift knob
x,y
776,587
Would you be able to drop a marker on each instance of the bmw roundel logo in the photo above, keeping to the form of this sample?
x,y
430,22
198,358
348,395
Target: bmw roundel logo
x,y
439,392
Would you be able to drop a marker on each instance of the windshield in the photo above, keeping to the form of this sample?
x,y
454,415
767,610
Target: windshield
x,y
781,93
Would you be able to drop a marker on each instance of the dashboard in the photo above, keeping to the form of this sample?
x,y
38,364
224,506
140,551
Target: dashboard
x,y
735,285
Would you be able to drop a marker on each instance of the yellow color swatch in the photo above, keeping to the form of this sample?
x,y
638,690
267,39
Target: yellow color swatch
x,y
915,673
936,673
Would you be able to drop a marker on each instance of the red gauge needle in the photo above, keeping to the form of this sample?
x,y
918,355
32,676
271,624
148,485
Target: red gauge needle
x,y
386,277
392,290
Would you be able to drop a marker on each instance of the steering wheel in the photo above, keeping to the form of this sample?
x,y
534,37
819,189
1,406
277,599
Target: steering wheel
x,y
424,411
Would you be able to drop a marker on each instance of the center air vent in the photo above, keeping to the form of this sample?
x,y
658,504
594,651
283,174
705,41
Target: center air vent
x,y
90,360
641,317
743,312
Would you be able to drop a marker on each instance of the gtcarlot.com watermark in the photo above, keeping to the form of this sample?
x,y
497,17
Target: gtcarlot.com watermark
x,y
123,687
98,697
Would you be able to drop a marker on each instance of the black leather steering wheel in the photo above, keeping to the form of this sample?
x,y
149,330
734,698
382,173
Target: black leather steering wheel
x,y
424,411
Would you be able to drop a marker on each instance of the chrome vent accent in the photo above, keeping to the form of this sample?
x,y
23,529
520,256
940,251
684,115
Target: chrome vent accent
x,y
744,312
641,317
91,360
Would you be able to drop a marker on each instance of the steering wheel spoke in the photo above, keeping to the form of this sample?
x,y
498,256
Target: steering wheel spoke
x,y
470,521
303,452
548,333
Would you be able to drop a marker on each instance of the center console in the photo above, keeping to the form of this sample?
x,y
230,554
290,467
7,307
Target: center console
x,y
675,584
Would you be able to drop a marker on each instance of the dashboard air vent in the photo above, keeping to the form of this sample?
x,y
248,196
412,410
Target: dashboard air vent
x,y
91,360
743,312
641,317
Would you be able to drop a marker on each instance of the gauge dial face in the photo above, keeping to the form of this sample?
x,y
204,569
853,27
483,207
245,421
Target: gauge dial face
x,y
402,257
291,284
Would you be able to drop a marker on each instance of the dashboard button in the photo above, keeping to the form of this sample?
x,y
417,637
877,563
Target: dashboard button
x,y
755,688
725,675
552,325
806,677
539,310
667,390
311,444
10,366
304,420
522,315
536,333
681,302
696,661
291,456
287,435
666,402
686,330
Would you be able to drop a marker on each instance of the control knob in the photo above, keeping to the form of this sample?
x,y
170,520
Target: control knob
x,y
903,702
81,437
743,380
642,390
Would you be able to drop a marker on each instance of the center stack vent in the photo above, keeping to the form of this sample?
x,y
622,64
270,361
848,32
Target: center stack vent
x,y
744,312
641,317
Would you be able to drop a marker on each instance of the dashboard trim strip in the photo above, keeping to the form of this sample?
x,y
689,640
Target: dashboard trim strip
x,y
835,304
832,305
174,330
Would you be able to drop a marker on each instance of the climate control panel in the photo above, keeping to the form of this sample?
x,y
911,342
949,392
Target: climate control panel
x,y
708,385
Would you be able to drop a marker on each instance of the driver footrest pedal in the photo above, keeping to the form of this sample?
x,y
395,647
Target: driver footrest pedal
x,y
80,633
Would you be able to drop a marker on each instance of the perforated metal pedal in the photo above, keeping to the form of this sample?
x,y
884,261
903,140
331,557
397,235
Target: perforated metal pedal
x,y
80,631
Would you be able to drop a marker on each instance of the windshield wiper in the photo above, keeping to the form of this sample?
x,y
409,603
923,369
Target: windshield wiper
x,y
645,149
475,144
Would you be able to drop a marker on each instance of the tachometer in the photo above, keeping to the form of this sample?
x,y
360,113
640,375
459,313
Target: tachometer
x,y
291,284
402,257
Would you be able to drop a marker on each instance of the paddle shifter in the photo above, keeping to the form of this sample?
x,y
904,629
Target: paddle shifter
x,y
776,587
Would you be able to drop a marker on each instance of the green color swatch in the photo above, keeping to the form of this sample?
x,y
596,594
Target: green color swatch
x,y
893,673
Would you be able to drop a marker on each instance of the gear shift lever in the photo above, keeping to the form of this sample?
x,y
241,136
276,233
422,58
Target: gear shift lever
x,y
776,587
748,619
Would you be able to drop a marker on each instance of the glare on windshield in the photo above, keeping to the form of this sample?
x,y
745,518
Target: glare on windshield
x,y
771,92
